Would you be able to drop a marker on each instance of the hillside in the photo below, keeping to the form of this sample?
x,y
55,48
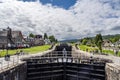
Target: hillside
x,y
71,40
111,36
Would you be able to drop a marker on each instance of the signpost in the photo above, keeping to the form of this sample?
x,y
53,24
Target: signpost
x,y
7,56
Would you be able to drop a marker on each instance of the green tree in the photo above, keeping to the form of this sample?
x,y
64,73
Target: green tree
x,y
31,35
113,40
52,38
56,40
45,36
84,41
98,41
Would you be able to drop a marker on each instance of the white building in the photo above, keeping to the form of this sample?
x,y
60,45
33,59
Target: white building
x,y
47,41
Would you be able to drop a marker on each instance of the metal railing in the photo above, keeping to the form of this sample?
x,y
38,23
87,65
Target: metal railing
x,y
68,57
9,63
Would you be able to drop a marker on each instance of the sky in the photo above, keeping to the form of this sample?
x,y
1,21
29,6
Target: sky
x,y
66,4
66,19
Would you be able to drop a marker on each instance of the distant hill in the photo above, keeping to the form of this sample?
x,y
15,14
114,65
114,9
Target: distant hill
x,y
111,36
71,40
107,36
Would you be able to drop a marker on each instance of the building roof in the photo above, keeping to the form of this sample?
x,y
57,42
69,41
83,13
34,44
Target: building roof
x,y
3,33
38,36
14,34
3,39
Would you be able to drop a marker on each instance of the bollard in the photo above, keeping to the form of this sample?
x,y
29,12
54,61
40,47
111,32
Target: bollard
x,y
1,65
13,61
7,64
7,57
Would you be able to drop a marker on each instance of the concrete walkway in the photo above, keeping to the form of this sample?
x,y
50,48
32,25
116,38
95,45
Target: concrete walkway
x,y
115,60
16,60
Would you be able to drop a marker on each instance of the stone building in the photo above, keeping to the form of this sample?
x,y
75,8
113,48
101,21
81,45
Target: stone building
x,y
107,43
37,40
117,44
11,38
47,41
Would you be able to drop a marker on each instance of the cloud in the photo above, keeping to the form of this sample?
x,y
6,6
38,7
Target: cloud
x,y
116,28
85,18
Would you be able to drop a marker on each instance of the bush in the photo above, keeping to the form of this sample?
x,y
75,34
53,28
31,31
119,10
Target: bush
x,y
89,45
96,50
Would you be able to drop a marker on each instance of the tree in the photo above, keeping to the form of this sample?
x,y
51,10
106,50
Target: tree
x,y
56,40
45,36
98,41
84,41
52,38
115,39
31,35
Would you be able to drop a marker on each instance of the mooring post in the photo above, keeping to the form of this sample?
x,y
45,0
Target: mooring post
x,y
13,61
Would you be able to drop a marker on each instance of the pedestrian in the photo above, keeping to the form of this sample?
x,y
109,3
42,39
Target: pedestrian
x,y
17,53
116,52
21,52
3,47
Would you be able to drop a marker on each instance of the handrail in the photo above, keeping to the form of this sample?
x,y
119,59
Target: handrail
x,y
12,62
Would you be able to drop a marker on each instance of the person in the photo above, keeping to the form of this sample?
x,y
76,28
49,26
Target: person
x,y
64,52
17,53
86,50
3,47
7,57
21,52
116,52
76,45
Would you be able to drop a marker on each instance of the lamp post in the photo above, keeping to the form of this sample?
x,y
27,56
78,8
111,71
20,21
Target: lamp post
x,y
7,43
7,56
7,39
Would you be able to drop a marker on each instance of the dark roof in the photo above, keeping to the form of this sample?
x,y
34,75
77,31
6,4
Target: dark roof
x,y
38,36
14,33
3,39
3,33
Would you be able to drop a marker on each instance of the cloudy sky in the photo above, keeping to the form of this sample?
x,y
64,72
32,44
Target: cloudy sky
x,y
66,19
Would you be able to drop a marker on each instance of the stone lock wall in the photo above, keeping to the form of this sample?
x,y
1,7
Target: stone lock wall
x,y
112,72
16,73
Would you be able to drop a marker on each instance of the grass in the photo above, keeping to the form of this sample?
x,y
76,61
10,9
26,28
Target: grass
x,y
118,53
31,50
111,52
84,48
108,52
